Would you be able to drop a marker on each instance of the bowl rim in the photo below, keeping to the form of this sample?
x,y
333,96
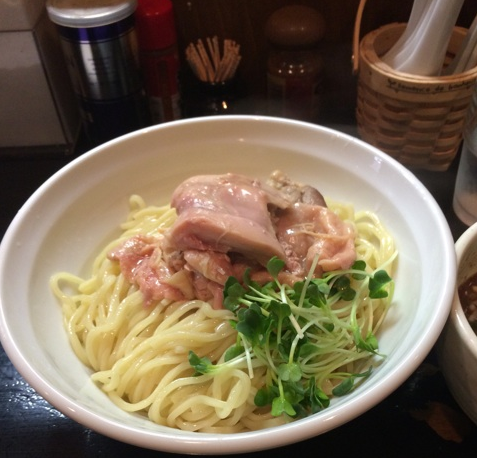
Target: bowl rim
x,y
295,431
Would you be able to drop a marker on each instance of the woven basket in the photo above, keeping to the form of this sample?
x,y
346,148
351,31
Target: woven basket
x,y
415,119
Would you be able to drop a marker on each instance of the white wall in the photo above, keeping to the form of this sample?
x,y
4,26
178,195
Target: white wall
x,y
37,104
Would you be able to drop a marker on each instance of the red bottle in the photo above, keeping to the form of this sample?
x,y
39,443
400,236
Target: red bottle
x,y
157,42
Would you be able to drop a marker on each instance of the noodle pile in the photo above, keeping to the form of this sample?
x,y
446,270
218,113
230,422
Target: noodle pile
x,y
139,355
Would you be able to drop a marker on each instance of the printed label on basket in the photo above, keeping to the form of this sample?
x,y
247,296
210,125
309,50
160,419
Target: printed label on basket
x,y
414,89
438,88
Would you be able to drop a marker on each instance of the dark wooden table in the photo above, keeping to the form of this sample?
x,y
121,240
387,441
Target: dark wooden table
x,y
420,419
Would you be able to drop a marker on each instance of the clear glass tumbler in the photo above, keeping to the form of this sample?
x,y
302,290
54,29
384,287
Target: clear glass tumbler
x,y
465,193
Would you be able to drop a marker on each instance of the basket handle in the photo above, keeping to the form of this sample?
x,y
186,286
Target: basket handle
x,y
356,34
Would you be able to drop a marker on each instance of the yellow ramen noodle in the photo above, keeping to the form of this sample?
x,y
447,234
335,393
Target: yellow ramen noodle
x,y
139,355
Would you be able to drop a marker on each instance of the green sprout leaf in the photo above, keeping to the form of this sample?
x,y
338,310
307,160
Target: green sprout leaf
x,y
315,397
253,324
280,406
201,365
359,265
348,384
266,395
274,266
292,330
370,343
234,293
342,288
233,352
377,284
289,371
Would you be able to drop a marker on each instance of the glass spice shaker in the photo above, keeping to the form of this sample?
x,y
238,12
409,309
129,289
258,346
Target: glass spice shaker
x,y
159,58
295,65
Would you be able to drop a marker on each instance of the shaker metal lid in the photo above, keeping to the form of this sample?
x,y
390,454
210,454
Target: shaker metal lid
x,y
89,13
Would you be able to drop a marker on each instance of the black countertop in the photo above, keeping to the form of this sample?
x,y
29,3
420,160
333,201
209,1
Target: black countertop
x,y
420,419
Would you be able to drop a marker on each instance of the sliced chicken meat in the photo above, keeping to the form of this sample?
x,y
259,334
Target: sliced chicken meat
x,y
227,213
228,223
308,231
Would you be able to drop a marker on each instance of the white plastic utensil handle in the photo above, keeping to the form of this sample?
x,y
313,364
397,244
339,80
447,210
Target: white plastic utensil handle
x,y
424,51
466,57
418,9
472,62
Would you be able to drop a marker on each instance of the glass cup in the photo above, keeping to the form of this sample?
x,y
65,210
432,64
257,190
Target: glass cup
x,y
465,193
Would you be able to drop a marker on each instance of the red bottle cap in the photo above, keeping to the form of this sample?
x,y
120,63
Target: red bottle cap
x,y
155,27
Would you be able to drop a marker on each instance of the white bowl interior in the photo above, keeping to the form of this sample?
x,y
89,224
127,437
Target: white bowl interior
x,y
66,221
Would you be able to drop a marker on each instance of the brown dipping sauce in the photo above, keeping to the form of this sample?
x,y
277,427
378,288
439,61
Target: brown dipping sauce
x,y
468,298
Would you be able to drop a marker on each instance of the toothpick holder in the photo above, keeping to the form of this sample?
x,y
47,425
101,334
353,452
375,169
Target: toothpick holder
x,y
211,99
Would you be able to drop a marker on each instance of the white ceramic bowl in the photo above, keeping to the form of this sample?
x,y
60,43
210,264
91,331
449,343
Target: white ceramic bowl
x,y
68,218
458,342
